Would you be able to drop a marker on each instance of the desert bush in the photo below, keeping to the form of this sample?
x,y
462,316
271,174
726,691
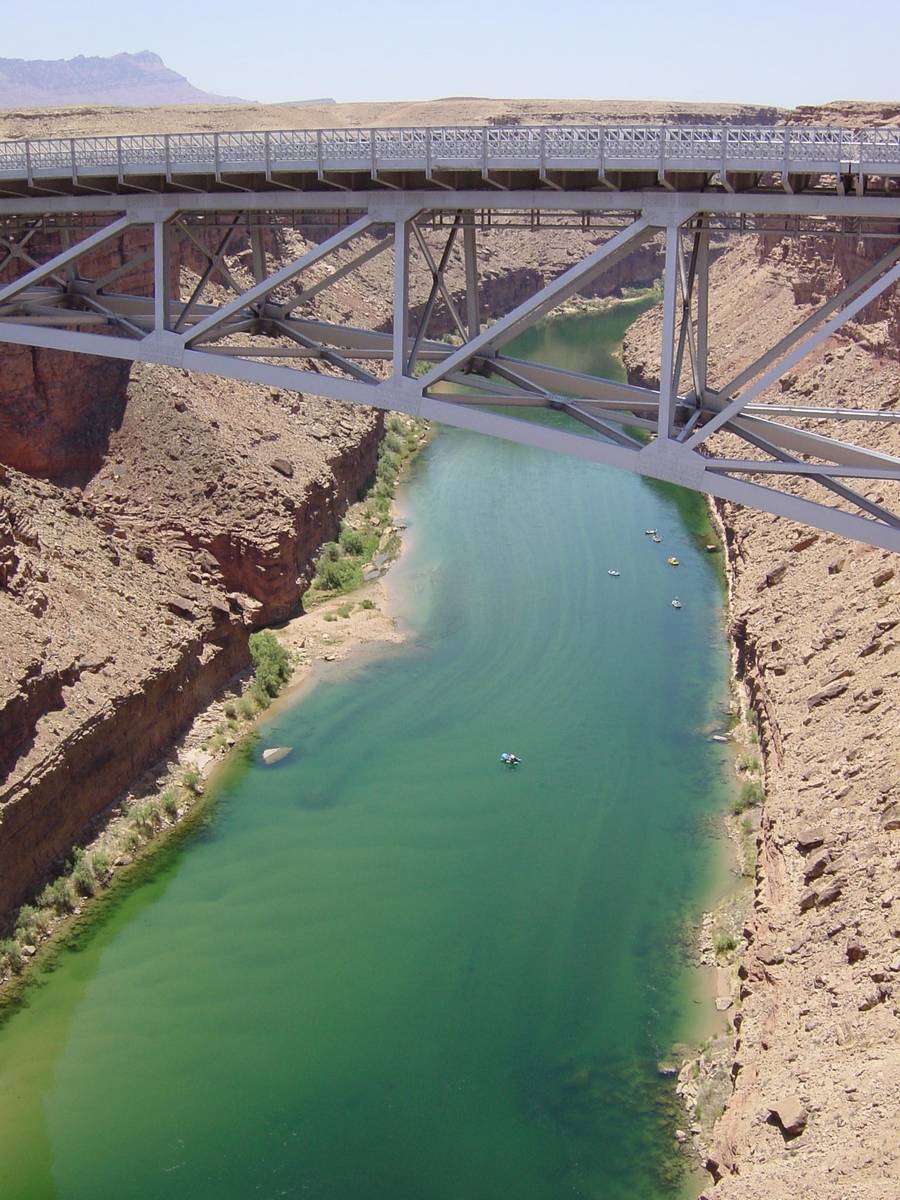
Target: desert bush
x,y
57,895
11,955
146,818
169,802
272,662
190,780
723,943
340,576
100,862
353,541
83,878
751,795
31,923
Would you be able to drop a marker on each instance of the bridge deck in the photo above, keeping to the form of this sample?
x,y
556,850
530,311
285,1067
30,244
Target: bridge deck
x,y
631,158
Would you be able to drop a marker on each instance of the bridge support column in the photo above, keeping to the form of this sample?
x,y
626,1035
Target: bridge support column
x,y
702,285
161,298
470,249
401,297
667,383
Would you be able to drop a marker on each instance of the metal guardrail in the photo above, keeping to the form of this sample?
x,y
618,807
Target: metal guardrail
x,y
737,149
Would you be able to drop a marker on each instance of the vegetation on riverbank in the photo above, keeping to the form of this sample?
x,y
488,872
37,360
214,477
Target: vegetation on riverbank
x,y
134,825
368,537
137,827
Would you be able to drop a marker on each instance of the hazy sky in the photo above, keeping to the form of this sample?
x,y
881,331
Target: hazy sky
x,y
784,52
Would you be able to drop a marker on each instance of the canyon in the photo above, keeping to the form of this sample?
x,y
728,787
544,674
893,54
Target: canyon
x,y
815,1058
145,530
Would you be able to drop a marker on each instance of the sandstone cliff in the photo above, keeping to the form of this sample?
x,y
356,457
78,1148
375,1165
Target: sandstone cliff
x,y
815,625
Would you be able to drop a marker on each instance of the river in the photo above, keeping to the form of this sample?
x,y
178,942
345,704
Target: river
x,y
388,968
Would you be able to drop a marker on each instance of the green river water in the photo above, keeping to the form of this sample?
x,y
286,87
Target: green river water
x,y
388,968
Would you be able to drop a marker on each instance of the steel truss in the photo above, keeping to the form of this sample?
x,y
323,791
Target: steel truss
x,y
263,331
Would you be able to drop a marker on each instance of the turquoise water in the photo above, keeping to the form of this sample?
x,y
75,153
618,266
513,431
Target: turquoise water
x,y
388,968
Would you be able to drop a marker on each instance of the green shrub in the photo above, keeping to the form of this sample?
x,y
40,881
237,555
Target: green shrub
x,y
83,879
57,895
31,923
367,603
11,955
132,841
272,662
146,819
260,695
395,441
100,862
723,943
395,423
329,616
246,708
344,610
190,780
340,576
751,795
230,710
331,552
169,802
748,762
353,541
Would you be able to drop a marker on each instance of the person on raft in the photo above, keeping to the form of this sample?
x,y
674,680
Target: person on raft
x,y
511,760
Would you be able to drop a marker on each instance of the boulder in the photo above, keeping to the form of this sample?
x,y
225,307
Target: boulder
x,y
816,868
774,576
809,839
283,467
183,606
808,901
275,754
830,894
831,692
856,951
790,1115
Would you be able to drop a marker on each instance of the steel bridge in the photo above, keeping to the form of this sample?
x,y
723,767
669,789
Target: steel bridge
x,y
427,197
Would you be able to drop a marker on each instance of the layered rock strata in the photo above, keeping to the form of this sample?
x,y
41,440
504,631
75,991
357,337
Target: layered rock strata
x,y
815,622
125,603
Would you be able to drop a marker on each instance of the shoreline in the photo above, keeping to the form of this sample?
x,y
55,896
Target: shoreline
x,y
704,1077
219,732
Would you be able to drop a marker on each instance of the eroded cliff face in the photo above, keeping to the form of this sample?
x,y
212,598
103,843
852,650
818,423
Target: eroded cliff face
x,y
125,603
815,622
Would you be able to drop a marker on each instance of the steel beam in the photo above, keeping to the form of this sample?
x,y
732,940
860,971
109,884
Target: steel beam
x,y
284,275
546,300
69,255
791,359
668,385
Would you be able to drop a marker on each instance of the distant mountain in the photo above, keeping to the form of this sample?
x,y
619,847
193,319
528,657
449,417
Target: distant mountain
x,y
122,79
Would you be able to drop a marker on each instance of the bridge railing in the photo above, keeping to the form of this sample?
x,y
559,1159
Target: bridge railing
x,y
637,147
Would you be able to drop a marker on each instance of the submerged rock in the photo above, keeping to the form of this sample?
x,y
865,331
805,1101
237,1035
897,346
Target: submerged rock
x,y
275,754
